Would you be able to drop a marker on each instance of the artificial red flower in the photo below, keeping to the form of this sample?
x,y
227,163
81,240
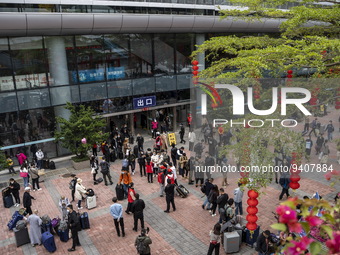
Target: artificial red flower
x,y
334,244
295,227
313,221
299,246
289,216
281,209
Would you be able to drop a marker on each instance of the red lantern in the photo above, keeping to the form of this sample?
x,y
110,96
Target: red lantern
x,y
289,76
295,178
251,218
290,72
252,202
195,68
294,185
253,194
252,210
195,73
194,62
251,226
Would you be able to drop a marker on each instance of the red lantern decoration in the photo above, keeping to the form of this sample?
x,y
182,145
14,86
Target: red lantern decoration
x,y
290,72
251,226
252,202
194,62
294,185
195,68
295,178
289,76
251,218
252,210
195,73
253,194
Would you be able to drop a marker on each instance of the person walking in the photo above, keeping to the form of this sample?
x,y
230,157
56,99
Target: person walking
x,y
40,156
140,142
192,139
325,152
105,170
14,188
10,164
174,154
27,200
131,197
161,180
125,177
131,157
35,177
208,185
170,196
238,195
73,224
224,164
149,170
208,163
72,185
154,127
330,129
198,173
284,182
80,192
181,133
24,174
314,126
21,157
137,209
306,126
35,228
199,148
94,168
319,142
116,211
183,160
221,202
213,195
215,239
142,243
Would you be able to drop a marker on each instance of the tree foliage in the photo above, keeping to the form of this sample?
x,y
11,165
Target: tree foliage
x,y
81,125
3,162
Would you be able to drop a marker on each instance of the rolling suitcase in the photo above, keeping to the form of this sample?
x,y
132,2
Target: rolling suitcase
x,y
251,238
99,180
231,242
63,234
91,202
21,236
84,220
15,218
6,192
47,239
182,191
120,192
8,201
51,165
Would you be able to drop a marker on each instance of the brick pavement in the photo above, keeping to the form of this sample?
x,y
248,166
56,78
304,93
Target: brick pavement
x,y
182,232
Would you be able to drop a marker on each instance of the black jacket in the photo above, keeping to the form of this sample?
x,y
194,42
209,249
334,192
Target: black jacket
x,y
174,152
73,220
27,200
16,187
222,200
261,244
140,140
138,207
208,187
170,190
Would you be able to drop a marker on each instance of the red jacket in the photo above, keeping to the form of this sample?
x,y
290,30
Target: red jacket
x,y
161,177
130,199
148,168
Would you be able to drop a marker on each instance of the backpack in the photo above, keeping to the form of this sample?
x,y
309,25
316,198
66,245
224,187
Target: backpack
x,y
140,246
125,163
72,184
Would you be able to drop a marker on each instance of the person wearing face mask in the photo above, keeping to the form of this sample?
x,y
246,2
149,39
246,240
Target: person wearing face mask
x,y
15,187
73,222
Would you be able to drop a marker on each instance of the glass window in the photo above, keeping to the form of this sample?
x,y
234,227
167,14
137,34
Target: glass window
x,y
119,88
40,8
183,81
8,102
165,83
33,99
29,62
140,59
184,46
90,58
10,7
61,95
74,8
143,86
6,70
91,92
164,54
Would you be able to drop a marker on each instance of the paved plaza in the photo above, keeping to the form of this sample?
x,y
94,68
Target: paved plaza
x,y
184,232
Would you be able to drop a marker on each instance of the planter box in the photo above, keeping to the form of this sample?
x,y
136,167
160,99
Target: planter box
x,y
81,165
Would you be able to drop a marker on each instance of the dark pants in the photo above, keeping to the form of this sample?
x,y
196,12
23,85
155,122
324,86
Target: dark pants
x,y
35,182
72,194
11,170
109,177
150,177
172,201
16,197
75,238
174,161
137,217
213,208
213,247
94,152
199,179
39,163
129,206
306,127
142,169
182,136
284,191
121,223
140,147
191,146
28,210
133,165
94,176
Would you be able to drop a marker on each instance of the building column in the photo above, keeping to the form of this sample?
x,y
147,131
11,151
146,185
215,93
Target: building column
x,y
196,92
174,127
57,61
132,124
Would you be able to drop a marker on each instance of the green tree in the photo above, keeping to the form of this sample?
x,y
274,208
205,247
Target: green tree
x,y
3,162
81,125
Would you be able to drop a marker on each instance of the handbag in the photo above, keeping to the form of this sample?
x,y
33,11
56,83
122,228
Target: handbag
x,y
93,170
23,174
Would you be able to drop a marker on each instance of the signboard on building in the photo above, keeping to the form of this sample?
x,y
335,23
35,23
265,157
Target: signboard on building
x,y
144,102
93,75
172,138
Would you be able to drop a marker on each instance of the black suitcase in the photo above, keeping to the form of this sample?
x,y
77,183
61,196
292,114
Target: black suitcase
x,y
84,220
8,201
21,236
182,191
120,192
46,163
6,192
113,156
252,238
51,165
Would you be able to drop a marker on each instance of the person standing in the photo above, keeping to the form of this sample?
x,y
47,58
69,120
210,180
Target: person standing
x,y
21,157
208,163
238,195
213,195
262,242
15,187
10,164
306,126
105,170
141,162
189,120
161,179
27,200
125,177
284,182
40,156
154,127
145,240
131,197
330,129
94,149
132,161
199,148
140,142
116,211
183,160
319,142
198,173
309,146
174,154
137,210
314,123
72,185
215,239
221,202
35,228
208,185
170,196
24,174
80,192
73,223
94,168
325,152
181,133
224,171
149,170
35,177
63,202
192,139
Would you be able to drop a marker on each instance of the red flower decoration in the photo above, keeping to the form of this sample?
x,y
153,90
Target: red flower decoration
x,y
299,246
334,244
314,220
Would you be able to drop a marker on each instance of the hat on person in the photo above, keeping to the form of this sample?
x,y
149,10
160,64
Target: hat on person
x,y
27,188
79,180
